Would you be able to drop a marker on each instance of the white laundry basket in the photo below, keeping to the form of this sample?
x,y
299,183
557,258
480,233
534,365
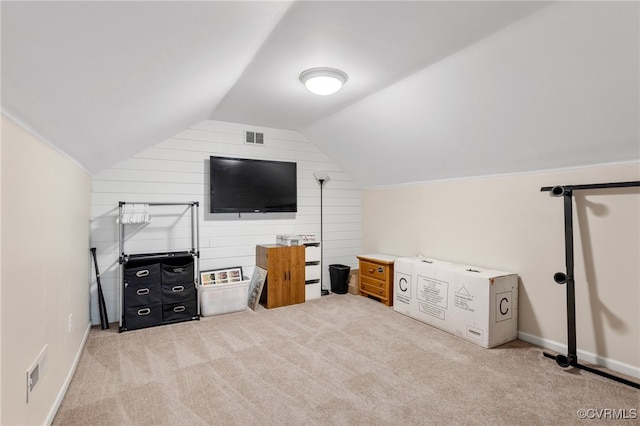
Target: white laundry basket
x,y
217,299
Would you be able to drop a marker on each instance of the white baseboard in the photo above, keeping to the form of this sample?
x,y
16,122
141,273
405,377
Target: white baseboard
x,y
67,380
589,357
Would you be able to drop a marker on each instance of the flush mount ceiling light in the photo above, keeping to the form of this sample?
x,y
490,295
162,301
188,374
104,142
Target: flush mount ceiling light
x,y
323,81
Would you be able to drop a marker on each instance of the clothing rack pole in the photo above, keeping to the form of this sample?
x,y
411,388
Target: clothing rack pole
x,y
188,203
196,227
120,262
195,239
571,359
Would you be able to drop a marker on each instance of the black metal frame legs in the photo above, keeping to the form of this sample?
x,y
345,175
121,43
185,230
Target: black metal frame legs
x,y
567,278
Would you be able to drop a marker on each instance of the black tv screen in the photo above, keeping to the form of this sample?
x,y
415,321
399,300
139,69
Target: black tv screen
x,y
240,185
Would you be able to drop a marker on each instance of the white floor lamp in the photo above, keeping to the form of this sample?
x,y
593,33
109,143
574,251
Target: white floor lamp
x,y
322,178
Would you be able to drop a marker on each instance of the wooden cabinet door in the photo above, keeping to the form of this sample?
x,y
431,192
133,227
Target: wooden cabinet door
x,y
296,275
285,274
277,279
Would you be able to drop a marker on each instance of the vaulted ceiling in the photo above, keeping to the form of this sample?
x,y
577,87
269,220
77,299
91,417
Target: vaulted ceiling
x,y
436,89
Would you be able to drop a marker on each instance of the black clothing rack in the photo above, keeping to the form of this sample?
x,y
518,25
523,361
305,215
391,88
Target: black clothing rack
x,y
571,359
195,231
194,251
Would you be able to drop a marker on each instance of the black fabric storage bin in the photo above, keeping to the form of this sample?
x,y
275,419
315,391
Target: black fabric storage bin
x,y
177,270
142,316
175,293
138,273
179,311
142,295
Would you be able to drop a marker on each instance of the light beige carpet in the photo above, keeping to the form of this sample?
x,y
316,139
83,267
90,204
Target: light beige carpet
x,y
342,359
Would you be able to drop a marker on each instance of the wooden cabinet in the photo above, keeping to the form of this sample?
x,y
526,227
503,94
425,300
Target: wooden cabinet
x,y
376,277
285,267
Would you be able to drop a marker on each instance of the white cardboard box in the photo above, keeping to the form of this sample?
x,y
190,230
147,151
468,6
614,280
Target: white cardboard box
x,y
288,240
476,304
216,299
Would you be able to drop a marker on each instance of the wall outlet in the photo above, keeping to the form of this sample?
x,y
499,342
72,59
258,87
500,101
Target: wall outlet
x,y
70,323
36,371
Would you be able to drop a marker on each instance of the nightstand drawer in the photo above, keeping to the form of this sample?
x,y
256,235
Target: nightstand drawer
x,y
373,287
370,282
368,269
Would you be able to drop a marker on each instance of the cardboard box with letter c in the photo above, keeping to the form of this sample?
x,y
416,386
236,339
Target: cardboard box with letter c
x,y
476,304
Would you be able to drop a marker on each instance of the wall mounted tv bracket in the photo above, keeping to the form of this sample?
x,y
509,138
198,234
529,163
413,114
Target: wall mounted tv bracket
x,y
571,359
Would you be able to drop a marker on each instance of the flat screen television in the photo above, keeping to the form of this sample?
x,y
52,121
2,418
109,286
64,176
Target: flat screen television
x,y
240,185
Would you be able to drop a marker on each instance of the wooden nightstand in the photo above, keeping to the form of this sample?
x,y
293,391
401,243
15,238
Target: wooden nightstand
x,y
376,276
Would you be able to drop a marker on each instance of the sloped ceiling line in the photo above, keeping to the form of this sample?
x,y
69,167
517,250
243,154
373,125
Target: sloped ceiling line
x,y
104,80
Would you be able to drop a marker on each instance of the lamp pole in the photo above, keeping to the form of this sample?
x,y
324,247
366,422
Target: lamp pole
x,y
323,292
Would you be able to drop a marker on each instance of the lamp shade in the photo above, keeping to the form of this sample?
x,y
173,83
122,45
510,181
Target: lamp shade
x,y
323,81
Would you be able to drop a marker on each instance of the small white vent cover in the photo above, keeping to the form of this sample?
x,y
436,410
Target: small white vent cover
x,y
254,138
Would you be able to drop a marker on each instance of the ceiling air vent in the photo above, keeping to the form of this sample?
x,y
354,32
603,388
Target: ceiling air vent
x,y
254,138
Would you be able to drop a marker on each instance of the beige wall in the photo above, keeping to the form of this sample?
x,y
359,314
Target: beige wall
x,y
1,375
45,271
507,223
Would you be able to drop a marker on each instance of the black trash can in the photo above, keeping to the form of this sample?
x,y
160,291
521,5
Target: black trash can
x,y
339,275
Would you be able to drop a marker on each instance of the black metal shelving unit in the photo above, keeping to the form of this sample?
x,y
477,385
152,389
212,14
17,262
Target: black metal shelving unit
x,y
158,288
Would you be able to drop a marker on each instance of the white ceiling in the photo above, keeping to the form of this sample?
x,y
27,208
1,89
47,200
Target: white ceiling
x,y
436,89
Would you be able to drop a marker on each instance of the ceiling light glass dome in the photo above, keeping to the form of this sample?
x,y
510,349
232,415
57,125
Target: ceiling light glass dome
x,y
323,81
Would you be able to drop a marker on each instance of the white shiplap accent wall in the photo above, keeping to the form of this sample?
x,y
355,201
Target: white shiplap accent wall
x,y
177,170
